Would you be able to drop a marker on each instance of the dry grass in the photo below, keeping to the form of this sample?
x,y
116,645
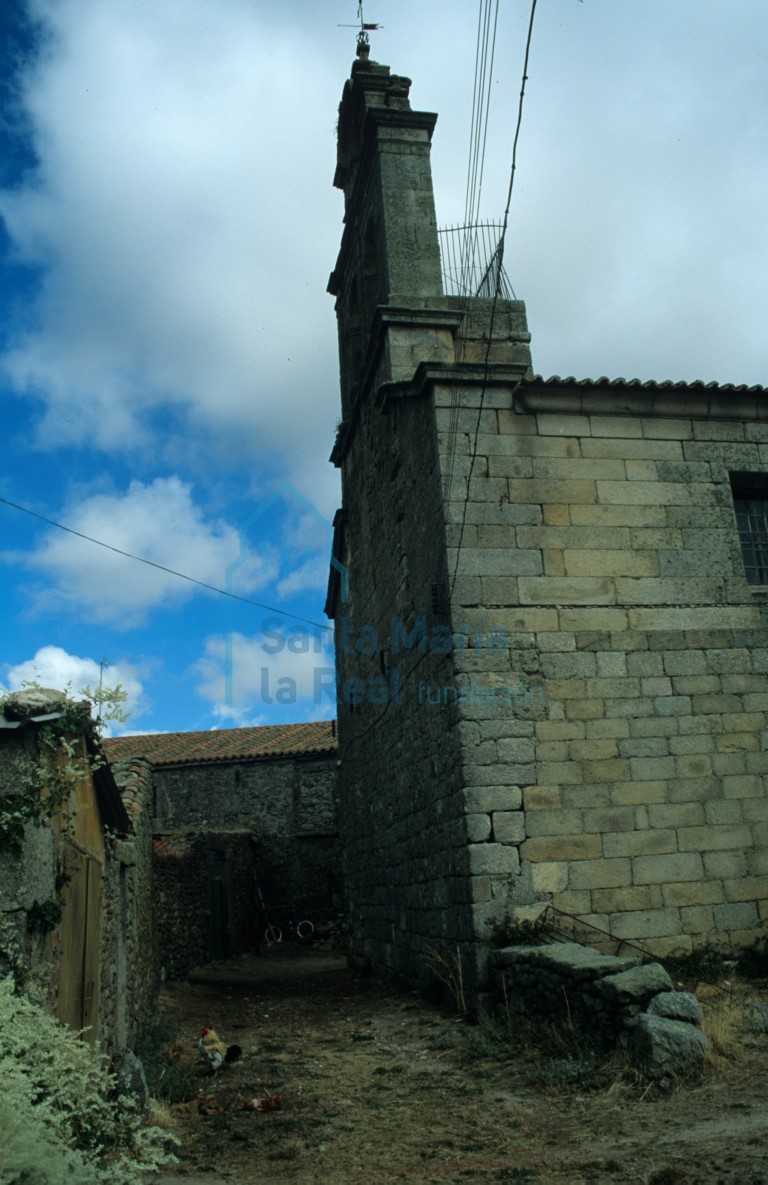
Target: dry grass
x,y
723,1022
728,1021
449,970
159,1114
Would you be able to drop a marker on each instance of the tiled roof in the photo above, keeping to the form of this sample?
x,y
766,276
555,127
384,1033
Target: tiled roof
x,y
133,776
648,385
172,847
226,744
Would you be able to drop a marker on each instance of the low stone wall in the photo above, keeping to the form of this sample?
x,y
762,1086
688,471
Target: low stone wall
x,y
613,999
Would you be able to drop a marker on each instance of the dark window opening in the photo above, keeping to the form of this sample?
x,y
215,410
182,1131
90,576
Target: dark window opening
x,y
750,501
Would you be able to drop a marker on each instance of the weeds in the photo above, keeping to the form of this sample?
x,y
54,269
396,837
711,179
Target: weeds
x,y
700,966
59,1113
554,1056
708,965
555,1073
449,970
753,962
756,1018
491,1038
723,1023
521,933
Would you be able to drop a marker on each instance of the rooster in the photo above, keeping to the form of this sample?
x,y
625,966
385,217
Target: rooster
x,y
270,1102
214,1051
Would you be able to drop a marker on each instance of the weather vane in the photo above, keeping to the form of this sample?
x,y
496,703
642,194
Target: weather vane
x,y
363,40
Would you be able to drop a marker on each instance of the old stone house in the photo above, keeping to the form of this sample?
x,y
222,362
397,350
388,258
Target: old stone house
x,y
552,650
245,830
75,870
128,860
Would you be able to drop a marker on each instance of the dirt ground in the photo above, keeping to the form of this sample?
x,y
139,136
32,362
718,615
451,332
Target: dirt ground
x,y
380,1087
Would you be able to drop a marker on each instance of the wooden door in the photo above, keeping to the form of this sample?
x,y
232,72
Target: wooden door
x,y
78,1002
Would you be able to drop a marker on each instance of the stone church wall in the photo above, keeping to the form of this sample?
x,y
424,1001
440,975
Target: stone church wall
x,y
401,802
594,734
610,558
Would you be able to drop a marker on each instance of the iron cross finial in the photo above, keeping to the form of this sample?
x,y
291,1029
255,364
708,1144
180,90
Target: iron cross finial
x,y
363,41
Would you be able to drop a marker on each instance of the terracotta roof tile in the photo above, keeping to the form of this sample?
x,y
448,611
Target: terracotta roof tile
x,y
172,847
133,776
226,744
555,380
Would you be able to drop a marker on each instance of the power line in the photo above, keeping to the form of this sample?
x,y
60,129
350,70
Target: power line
x,y
162,568
481,99
518,125
472,194
505,223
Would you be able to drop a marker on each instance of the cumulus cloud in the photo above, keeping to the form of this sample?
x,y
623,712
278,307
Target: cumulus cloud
x,y
162,523
284,665
182,214
54,667
158,213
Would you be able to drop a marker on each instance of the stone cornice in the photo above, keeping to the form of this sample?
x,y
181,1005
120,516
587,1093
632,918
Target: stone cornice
x,y
464,374
388,317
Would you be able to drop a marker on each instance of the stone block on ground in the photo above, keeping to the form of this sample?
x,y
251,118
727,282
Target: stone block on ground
x,y
676,1006
636,985
568,958
665,1048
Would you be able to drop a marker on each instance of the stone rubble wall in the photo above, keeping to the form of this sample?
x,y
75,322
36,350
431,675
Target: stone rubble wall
x,y
129,972
29,876
611,1000
288,806
182,899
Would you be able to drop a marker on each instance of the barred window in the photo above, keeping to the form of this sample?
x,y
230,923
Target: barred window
x,y
750,500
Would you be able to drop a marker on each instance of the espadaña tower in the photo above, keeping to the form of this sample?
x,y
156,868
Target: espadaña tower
x,y
548,646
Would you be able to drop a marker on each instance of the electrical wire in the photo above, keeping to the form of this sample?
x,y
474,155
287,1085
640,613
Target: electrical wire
x,y
375,722
162,568
481,99
505,223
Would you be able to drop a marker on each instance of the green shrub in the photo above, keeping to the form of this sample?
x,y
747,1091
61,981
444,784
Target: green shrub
x,y
705,965
59,1115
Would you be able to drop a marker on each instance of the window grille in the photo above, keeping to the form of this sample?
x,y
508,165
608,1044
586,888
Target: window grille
x,y
750,500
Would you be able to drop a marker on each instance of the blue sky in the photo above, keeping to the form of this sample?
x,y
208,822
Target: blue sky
x,y
168,350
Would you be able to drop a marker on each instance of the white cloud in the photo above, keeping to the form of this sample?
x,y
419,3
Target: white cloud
x,y
53,667
161,523
285,664
159,212
183,216
312,575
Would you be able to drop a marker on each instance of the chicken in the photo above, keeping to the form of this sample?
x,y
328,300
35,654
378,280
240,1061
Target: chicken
x,y
214,1051
270,1102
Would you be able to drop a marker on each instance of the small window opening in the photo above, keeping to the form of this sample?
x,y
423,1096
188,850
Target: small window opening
x,y
750,501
